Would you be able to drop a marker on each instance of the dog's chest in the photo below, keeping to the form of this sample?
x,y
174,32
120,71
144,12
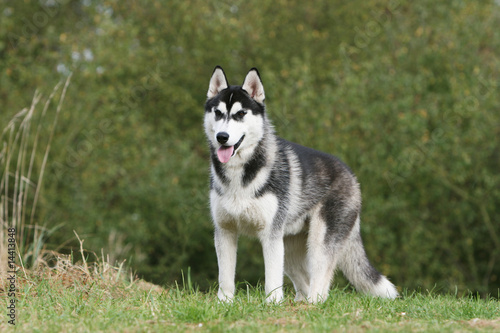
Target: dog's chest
x,y
241,210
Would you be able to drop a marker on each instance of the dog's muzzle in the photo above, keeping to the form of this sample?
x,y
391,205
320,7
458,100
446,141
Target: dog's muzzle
x,y
224,153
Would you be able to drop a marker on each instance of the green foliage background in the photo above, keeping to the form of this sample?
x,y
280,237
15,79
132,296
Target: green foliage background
x,y
405,92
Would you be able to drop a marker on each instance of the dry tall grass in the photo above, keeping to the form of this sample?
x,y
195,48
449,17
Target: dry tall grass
x,y
19,185
20,189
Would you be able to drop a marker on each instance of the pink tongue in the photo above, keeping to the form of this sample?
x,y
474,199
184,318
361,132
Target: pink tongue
x,y
224,153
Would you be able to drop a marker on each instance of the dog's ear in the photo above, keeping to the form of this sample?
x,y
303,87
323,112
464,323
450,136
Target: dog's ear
x,y
218,82
253,86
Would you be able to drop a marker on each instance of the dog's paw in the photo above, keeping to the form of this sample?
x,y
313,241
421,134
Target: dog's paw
x,y
275,296
317,298
225,297
299,297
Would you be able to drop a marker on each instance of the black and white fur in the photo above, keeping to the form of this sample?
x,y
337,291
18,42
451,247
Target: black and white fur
x,y
302,204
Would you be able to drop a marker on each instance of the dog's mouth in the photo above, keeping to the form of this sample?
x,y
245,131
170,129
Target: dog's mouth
x,y
224,153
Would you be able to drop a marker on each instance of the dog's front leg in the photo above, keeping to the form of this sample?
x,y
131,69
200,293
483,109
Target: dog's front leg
x,y
226,242
274,256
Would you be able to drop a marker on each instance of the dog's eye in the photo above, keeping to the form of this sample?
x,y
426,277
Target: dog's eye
x,y
218,113
240,114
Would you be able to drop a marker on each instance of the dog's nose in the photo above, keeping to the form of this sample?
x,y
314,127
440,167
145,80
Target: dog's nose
x,y
222,137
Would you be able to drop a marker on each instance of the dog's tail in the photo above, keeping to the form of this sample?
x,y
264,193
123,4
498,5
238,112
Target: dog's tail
x,y
359,271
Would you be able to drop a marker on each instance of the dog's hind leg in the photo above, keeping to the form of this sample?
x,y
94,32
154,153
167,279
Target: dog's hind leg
x,y
296,264
321,261
321,269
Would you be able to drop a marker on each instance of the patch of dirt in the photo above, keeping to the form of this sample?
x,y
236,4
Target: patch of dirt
x,y
483,323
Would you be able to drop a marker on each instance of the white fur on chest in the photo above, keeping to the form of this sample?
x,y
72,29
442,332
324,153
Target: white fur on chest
x,y
246,214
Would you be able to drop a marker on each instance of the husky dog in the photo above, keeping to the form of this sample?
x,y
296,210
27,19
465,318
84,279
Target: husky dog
x,y
302,204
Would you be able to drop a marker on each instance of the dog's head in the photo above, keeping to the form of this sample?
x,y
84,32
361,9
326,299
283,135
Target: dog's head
x,y
234,115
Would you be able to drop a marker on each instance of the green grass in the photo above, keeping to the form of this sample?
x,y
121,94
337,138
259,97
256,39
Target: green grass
x,y
86,299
